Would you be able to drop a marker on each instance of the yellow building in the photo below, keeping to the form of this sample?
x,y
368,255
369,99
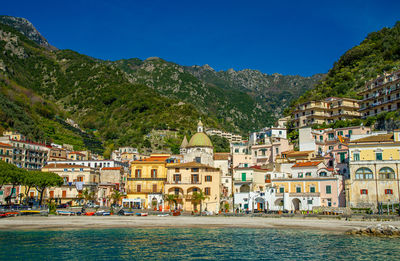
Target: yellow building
x,y
6,152
374,170
326,111
184,179
145,185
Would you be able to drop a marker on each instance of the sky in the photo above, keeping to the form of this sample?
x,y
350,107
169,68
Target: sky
x,y
286,37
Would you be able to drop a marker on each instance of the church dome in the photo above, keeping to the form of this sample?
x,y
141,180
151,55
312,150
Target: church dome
x,y
200,139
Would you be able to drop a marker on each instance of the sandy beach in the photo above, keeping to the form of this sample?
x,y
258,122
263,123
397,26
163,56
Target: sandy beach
x,y
85,222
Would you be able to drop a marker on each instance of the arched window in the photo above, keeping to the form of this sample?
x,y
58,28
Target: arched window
x,y
364,173
386,173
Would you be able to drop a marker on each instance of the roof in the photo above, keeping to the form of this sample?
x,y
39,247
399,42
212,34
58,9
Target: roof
x,y
152,159
306,164
184,142
297,153
191,165
221,156
61,166
112,168
5,144
200,139
376,138
77,153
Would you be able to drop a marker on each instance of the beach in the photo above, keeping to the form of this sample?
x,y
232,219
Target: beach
x,y
99,222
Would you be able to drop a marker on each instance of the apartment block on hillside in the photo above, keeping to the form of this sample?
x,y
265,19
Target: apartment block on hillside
x,y
326,111
380,95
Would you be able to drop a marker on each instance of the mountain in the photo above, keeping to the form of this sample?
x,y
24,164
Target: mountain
x,y
272,92
41,87
242,101
379,52
26,28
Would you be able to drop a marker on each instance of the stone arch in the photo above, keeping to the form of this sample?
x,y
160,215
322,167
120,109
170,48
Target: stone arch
x,y
296,204
244,188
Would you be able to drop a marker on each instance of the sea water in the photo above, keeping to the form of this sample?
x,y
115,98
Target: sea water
x,y
193,244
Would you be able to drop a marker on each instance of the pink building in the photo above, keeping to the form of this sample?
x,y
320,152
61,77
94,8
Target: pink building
x,y
265,153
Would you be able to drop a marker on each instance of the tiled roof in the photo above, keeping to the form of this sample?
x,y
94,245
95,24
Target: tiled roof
x,y
111,168
221,156
5,144
376,138
62,165
306,164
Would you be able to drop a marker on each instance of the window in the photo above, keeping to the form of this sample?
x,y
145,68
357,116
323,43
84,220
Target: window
x,y
198,159
300,174
309,201
65,170
281,190
364,173
330,147
328,189
64,194
176,169
81,169
378,155
153,173
342,157
138,188
364,192
388,191
277,150
176,191
177,178
331,136
243,176
195,170
308,174
154,188
329,202
208,178
386,173
138,173
350,132
195,178
298,189
323,174
312,189
79,179
207,191
66,179
356,156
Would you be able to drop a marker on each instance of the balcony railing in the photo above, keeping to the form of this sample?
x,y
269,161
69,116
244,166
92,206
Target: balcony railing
x,y
143,191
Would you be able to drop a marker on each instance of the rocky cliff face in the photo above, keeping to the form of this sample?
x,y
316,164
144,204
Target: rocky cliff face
x,y
26,28
274,92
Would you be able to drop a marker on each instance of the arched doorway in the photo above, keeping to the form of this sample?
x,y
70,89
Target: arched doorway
x,y
260,204
279,204
296,204
244,188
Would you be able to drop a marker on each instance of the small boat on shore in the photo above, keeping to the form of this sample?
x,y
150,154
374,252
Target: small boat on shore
x,y
65,213
129,213
142,214
89,213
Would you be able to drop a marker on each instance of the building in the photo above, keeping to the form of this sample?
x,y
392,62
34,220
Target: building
x,y
125,154
374,170
325,111
95,163
76,155
111,178
184,179
57,154
76,179
266,153
276,132
222,161
145,185
331,144
28,154
6,152
241,155
381,94
227,135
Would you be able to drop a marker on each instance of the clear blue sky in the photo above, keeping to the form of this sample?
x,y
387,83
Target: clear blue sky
x,y
287,37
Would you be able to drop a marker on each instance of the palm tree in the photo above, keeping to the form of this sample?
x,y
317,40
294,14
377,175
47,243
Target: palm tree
x,y
171,198
116,196
198,198
87,195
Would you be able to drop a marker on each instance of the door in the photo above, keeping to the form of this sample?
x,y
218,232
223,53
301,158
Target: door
x,y
64,194
243,176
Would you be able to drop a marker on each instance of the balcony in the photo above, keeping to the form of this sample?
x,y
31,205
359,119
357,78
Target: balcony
x,y
305,194
183,182
143,191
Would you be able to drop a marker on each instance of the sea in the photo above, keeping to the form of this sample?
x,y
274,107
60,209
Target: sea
x,y
193,244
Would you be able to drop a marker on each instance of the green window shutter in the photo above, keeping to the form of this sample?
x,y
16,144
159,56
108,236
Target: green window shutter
x,y
243,176
312,189
379,156
298,190
328,189
281,190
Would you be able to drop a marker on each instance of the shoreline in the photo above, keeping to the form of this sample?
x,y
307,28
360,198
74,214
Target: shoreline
x,y
108,222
